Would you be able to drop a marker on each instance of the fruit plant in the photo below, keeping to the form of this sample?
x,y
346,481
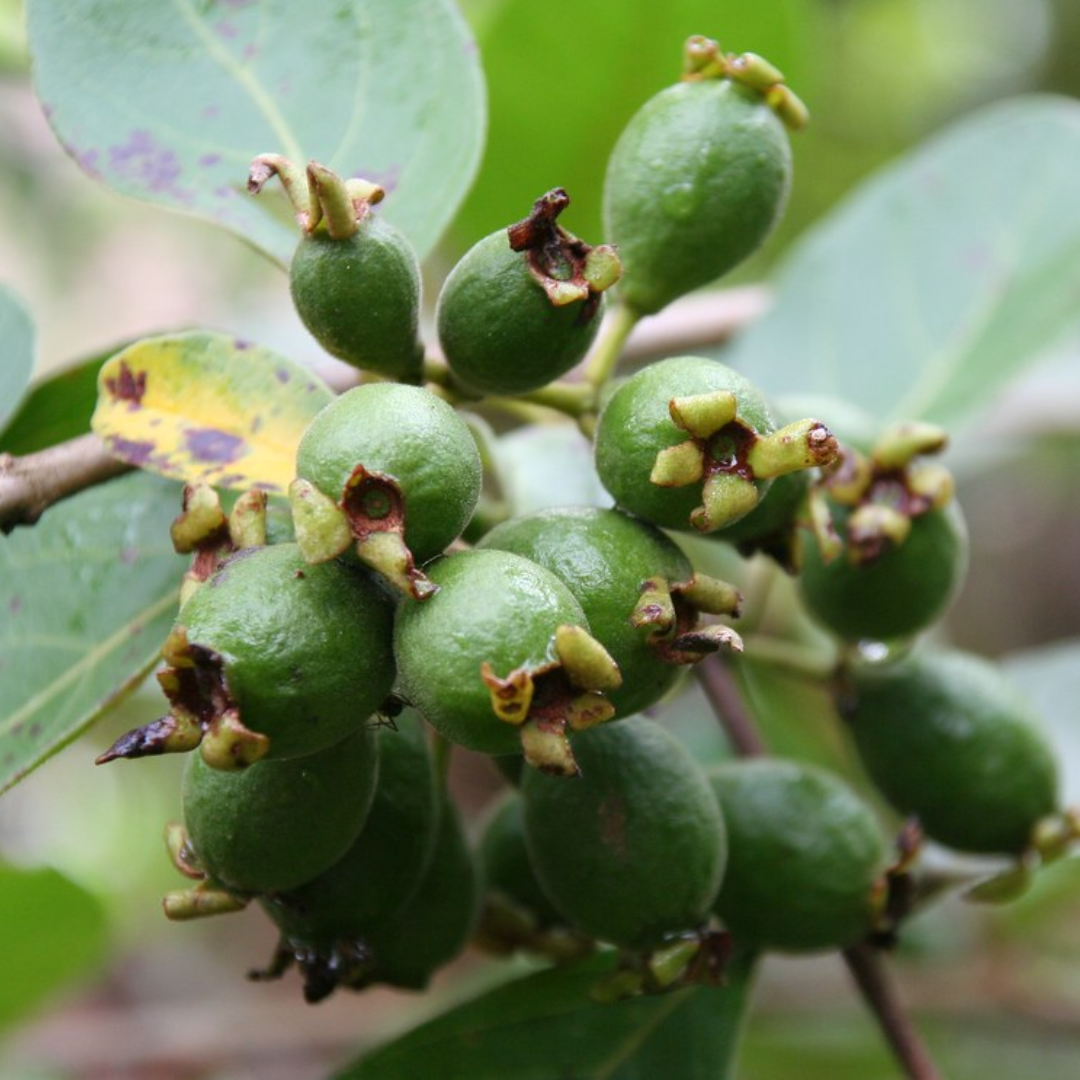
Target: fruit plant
x,y
685,606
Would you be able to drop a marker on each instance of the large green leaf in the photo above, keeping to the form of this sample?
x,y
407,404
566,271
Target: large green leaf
x,y
545,1027
169,100
56,409
938,280
16,352
56,930
564,78
87,597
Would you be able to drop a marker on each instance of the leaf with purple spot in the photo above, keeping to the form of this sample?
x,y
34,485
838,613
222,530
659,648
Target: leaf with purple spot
x,y
169,102
206,407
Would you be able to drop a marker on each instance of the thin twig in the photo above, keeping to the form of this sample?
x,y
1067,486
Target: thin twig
x,y
716,680
864,961
878,990
29,485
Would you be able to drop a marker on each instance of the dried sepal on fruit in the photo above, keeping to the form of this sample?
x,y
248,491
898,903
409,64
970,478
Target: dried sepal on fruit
x,y
700,175
270,658
391,471
499,660
354,279
641,597
524,304
689,444
900,547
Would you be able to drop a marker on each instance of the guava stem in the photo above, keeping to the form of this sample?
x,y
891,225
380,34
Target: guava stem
x,y
600,365
791,657
718,683
879,992
572,398
864,961
441,749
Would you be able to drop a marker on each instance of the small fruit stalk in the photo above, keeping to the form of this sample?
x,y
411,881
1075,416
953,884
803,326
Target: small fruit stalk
x,y
523,306
899,551
354,279
700,175
500,659
689,444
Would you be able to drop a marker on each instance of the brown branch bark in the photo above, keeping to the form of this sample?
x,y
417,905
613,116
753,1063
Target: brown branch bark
x,y
29,485
878,990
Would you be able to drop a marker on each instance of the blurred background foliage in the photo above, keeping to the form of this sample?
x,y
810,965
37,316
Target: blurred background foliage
x,y
998,991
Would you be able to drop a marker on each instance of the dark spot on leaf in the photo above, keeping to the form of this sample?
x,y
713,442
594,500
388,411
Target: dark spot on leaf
x,y
210,111
88,162
128,554
209,159
209,444
226,30
15,605
128,385
133,451
282,375
35,730
241,344
144,163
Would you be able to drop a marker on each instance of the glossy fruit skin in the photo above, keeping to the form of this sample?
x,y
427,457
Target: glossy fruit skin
x,y
946,737
898,594
360,297
635,425
505,864
491,606
278,824
499,331
412,436
437,922
306,650
603,556
385,864
696,182
633,850
804,852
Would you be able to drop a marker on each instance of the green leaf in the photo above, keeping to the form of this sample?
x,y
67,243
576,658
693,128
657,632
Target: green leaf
x,y
545,1026
16,352
56,409
170,101
87,598
564,79
203,407
544,465
938,280
56,931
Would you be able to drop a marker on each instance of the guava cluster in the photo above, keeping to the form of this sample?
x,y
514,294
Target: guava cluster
x,y
319,679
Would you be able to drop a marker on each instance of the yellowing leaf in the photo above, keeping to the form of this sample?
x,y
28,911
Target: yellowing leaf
x,y
207,407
